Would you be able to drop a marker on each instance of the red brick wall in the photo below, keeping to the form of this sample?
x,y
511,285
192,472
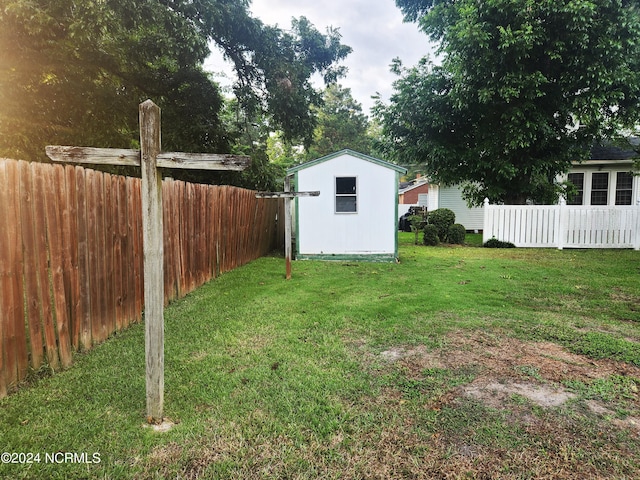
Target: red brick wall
x,y
411,196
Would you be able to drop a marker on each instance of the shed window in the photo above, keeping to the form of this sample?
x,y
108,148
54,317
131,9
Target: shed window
x,y
346,195
624,187
599,188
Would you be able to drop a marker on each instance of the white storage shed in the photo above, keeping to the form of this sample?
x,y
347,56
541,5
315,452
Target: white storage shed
x,y
356,215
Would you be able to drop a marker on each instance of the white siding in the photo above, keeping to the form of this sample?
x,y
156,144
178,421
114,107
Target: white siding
x,y
451,198
372,230
434,191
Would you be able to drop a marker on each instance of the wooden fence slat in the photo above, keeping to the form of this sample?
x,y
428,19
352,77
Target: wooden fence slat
x,y
224,227
138,255
109,247
64,208
204,218
205,271
230,225
201,211
54,229
210,228
32,294
184,233
94,219
215,231
83,311
17,332
71,239
167,222
232,248
42,249
101,271
195,238
190,237
131,252
174,232
118,212
121,259
5,293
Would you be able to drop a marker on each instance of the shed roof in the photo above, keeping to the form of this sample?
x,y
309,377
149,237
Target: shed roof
x,y
353,153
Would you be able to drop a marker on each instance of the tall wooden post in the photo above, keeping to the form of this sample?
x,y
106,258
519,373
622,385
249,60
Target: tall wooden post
x,y
153,258
287,226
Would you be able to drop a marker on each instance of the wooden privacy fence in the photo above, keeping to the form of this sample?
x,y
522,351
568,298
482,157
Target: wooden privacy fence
x,y
71,254
563,226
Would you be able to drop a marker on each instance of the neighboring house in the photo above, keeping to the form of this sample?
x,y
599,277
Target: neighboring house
x,y
606,178
422,193
415,192
355,217
451,197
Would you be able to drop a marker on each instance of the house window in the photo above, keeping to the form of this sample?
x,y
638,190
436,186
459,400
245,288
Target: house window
x,y
599,188
624,187
346,195
577,179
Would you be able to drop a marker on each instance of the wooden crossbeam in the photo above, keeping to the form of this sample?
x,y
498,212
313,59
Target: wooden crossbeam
x,y
115,156
286,194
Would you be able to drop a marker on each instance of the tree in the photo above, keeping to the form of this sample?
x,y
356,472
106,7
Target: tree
x,y
74,72
524,88
341,124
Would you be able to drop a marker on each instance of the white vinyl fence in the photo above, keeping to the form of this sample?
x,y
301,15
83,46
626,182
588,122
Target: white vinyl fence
x,y
563,226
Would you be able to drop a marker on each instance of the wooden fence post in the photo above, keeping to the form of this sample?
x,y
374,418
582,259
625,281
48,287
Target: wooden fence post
x,y
153,258
287,227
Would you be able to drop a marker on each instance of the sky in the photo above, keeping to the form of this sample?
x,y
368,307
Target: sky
x,y
372,28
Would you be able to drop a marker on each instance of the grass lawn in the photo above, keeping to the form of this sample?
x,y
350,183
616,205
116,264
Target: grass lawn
x,y
458,362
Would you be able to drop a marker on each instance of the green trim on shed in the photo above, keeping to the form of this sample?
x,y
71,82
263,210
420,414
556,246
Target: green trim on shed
x,y
353,153
350,257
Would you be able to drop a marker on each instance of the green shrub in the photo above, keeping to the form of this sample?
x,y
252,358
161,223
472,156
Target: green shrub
x,y
442,218
495,243
430,236
456,234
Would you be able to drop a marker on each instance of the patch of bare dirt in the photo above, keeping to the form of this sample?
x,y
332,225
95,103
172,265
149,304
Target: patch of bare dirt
x,y
507,366
518,378
505,357
496,394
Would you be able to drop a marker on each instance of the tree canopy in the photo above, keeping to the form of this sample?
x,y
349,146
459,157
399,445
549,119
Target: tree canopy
x,y
74,72
524,88
341,124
